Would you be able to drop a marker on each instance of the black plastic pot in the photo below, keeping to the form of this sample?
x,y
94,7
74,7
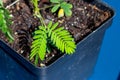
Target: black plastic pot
x,y
78,66
118,76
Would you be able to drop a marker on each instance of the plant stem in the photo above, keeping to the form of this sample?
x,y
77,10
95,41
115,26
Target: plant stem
x,y
12,4
46,7
41,19
37,12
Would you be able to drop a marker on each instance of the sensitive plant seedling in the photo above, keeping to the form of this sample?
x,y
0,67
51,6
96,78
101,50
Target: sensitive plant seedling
x,y
47,35
57,5
51,35
5,21
62,6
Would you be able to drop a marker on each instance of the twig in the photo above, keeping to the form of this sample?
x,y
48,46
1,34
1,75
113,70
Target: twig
x,y
12,4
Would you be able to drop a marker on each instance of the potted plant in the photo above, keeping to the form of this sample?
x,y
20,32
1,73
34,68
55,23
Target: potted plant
x,y
40,39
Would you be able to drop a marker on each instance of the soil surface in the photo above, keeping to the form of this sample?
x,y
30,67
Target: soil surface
x,y
86,18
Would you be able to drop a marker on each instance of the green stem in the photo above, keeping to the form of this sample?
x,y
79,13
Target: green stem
x,y
41,19
37,12
47,7
36,59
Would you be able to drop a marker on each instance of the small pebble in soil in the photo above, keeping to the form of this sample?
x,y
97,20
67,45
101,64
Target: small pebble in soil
x,y
77,18
68,18
85,7
49,17
19,22
82,34
72,24
75,22
83,12
66,28
88,15
61,21
42,65
53,19
83,26
77,35
21,51
35,28
53,55
46,21
17,6
46,55
15,33
80,9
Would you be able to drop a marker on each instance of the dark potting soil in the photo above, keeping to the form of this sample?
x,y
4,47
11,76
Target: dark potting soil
x,y
86,17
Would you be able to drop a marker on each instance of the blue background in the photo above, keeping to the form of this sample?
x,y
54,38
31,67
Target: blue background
x,y
108,64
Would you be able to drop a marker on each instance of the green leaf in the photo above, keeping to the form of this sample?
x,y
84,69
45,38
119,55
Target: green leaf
x,y
63,4
68,12
10,36
69,5
52,28
55,8
1,3
62,39
55,1
39,43
67,8
49,25
5,22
